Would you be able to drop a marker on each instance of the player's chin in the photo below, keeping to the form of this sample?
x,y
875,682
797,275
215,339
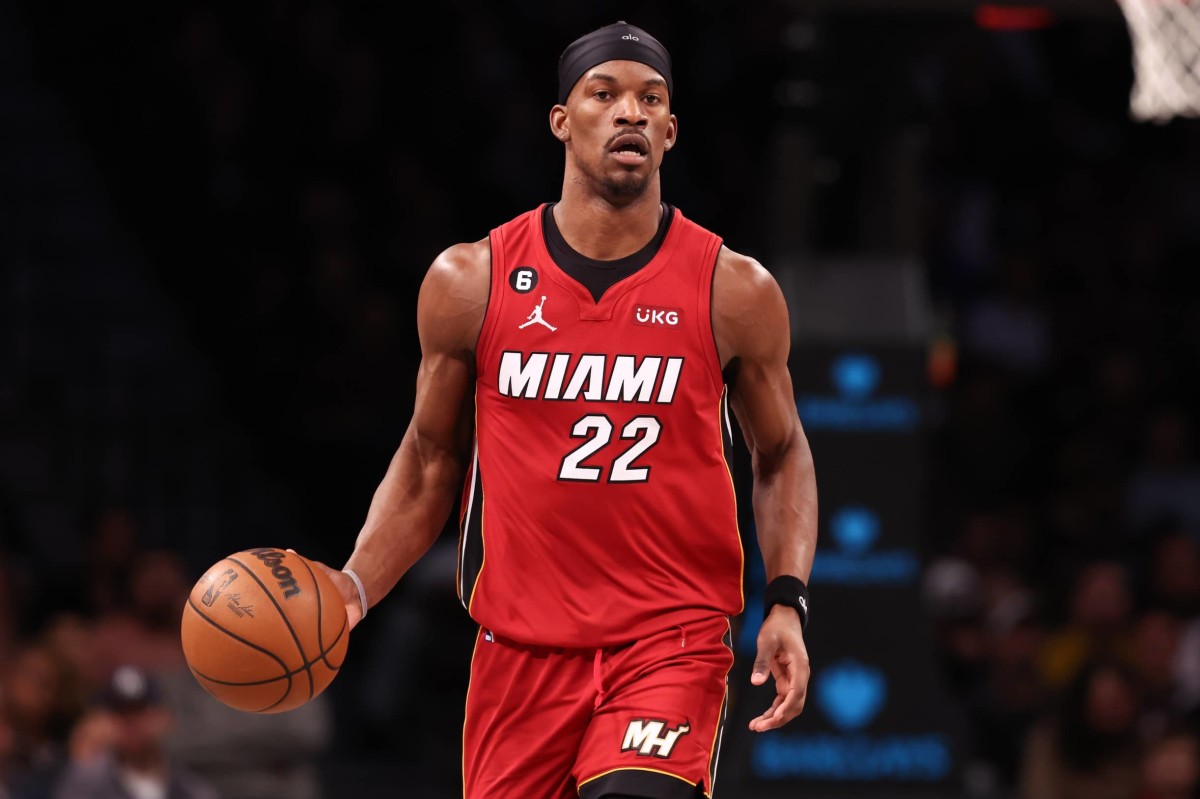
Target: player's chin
x,y
627,185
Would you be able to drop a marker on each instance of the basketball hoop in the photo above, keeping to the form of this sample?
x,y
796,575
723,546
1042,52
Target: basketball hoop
x,y
1166,58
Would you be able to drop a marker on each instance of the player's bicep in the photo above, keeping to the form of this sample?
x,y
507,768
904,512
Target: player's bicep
x,y
762,400
450,310
442,417
754,336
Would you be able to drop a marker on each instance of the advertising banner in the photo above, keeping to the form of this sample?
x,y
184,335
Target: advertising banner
x,y
878,719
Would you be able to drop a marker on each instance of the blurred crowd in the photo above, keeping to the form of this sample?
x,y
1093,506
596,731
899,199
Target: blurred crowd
x,y
290,176
1064,562
96,701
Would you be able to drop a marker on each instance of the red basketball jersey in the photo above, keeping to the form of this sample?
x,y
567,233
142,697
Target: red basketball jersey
x,y
599,507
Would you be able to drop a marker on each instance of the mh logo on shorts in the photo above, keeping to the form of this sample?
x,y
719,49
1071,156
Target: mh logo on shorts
x,y
652,738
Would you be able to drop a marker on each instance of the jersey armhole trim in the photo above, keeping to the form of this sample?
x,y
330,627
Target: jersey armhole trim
x,y
707,291
495,246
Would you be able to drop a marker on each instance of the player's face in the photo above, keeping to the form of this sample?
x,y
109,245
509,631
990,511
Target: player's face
x,y
617,123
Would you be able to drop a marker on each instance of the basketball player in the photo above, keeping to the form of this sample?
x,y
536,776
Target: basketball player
x,y
572,394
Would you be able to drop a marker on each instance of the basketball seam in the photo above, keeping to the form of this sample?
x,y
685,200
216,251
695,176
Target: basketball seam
x,y
320,626
286,673
289,674
345,629
296,638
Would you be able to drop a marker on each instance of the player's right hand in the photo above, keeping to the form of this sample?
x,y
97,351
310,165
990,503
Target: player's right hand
x,y
345,587
783,655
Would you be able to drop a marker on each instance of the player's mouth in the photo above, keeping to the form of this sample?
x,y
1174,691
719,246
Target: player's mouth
x,y
631,149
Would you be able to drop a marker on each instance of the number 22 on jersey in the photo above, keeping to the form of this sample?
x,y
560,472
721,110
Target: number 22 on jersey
x,y
597,428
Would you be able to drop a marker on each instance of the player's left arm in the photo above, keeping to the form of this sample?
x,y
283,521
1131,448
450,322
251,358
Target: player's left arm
x,y
753,333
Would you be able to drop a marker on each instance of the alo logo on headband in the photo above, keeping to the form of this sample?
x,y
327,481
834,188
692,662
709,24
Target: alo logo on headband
x,y
631,37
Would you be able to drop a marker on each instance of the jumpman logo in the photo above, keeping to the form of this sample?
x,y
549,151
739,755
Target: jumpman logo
x,y
535,317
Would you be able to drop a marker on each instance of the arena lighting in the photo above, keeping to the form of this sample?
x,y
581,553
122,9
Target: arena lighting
x,y
991,16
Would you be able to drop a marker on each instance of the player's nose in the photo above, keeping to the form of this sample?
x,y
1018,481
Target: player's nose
x,y
629,111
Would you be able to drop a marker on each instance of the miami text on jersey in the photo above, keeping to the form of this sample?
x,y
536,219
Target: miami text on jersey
x,y
552,376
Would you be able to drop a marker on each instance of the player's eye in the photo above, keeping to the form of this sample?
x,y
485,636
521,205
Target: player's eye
x,y
652,99
602,94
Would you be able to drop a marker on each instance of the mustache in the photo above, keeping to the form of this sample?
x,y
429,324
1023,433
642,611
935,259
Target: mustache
x,y
612,139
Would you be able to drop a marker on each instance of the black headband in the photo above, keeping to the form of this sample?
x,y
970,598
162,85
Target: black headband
x,y
617,42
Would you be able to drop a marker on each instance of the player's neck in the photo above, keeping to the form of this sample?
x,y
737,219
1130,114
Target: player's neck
x,y
600,230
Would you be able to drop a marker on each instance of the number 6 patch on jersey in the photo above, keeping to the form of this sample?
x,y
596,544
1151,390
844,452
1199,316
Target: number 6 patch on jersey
x,y
523,279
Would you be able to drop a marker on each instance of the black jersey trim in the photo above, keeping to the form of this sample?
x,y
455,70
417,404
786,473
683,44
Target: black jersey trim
x,y
599,276
715,756
640,782
470,539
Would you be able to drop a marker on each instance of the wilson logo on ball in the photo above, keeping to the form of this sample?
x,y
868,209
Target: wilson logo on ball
x,y
273,558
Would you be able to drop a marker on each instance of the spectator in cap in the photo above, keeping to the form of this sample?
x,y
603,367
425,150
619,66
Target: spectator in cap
x,y
117,750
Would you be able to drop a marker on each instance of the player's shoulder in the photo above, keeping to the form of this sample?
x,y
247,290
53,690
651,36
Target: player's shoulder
x,y
743,277
454,295
749,313
462,263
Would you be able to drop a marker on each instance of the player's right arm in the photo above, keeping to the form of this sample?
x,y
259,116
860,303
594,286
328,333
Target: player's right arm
x,y
413,501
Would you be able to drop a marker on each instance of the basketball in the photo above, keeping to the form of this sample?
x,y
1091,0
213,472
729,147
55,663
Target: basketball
x,y
264,630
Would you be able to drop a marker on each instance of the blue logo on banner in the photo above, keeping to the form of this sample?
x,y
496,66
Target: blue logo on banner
x,y
855,530
925,757
856,377
851,694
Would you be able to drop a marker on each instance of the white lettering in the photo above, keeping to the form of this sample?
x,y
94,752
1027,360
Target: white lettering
x,y
557,372
648,316
590,369
521,380
541,375
644,736
666,392
625,384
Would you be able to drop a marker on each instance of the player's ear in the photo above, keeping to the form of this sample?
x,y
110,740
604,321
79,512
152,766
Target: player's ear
x,y
558,123
672,132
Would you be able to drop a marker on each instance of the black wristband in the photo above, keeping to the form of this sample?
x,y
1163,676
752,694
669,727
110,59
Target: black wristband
x,y
790,591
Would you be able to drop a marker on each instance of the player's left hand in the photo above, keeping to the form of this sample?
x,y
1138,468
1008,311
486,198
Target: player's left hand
x,y
782,654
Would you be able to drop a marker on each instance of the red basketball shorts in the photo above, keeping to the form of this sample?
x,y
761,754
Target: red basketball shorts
x,y
642,719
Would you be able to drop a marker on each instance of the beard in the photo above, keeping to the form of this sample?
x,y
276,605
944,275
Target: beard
x,y
620,188
625,187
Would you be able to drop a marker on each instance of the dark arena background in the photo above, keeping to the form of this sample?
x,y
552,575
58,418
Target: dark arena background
x,y
214,219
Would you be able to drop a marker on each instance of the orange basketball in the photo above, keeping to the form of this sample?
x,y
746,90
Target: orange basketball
x,y
264,630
